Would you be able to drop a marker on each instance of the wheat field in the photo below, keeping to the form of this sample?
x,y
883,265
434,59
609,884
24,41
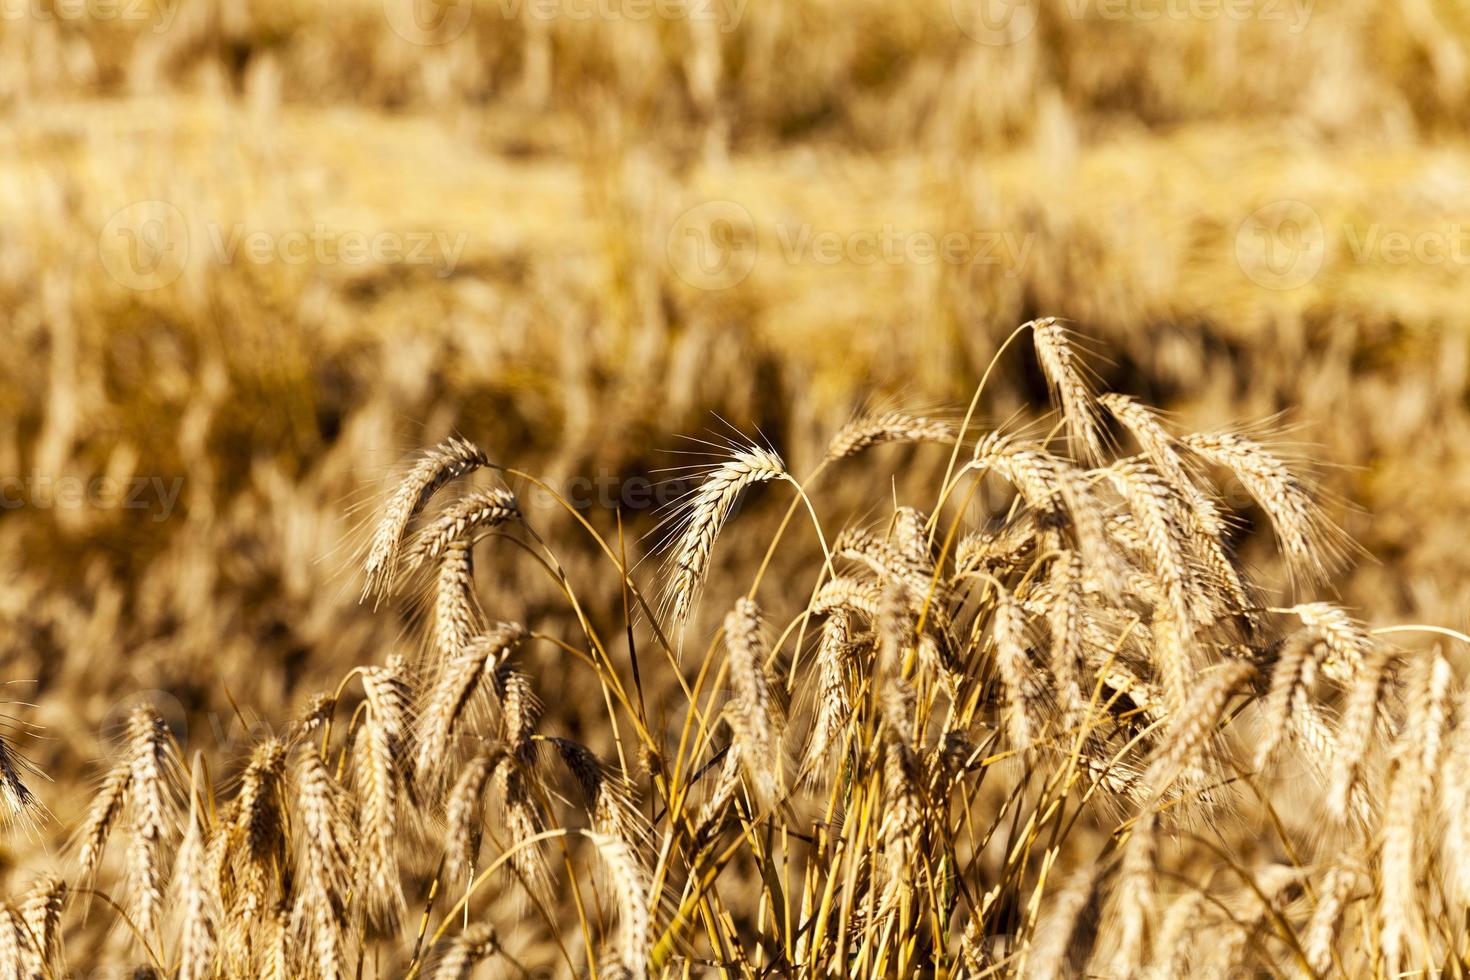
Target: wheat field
x,y
687,488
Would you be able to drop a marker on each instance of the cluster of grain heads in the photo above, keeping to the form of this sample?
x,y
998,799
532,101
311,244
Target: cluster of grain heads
x,y
1013,718
30,931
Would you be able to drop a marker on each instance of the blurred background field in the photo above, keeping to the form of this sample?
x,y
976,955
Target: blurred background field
x,y
605,224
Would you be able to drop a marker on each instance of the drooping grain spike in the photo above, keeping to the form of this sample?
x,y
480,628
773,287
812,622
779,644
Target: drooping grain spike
x,y
446,461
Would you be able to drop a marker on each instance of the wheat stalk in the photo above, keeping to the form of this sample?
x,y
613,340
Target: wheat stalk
x,y
457,616
472,512
1066,375
102,817
446,461
152,804
701,518
877,428
462,814
834,701
325,817
750,714
1355,731
41,914
475,945
1023,689
381,773
454,692
1310,543
197,927
631,888
610,800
